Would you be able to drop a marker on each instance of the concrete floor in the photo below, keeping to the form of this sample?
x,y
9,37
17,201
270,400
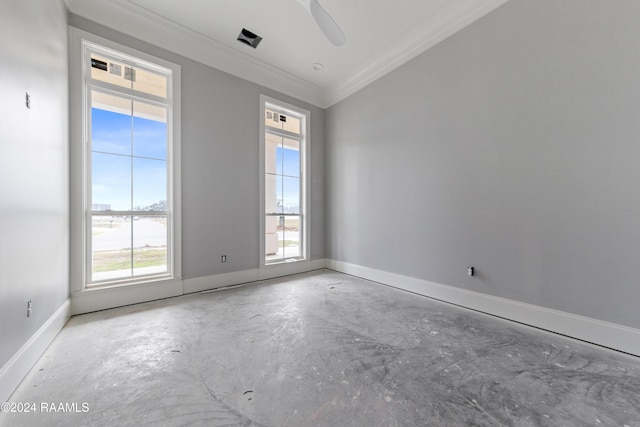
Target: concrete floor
x,y
322,349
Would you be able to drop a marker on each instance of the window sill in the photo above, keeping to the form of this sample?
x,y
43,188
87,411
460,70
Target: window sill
x,y
117,284
285,261
285,268
97,298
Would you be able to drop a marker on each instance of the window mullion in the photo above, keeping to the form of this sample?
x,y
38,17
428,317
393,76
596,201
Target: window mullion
x,y
283,133
131,140
127,93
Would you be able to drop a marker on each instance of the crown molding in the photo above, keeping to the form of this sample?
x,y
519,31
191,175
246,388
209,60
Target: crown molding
x,y
445,21
128,18
144,25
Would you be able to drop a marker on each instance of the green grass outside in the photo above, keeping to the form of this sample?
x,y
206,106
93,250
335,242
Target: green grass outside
x,y
284,243
121,260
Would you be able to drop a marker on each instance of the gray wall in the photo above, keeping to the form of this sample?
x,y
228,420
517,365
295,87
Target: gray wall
x,y
220,138
512,146
34,177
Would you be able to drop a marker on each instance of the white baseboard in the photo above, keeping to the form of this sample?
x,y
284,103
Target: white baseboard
x,y
96,299
611,335
14,371
199,284
289,268
116,296
215,281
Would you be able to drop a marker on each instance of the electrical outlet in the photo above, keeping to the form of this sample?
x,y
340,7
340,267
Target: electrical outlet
x,y
223,258
28,100
471,271
29,308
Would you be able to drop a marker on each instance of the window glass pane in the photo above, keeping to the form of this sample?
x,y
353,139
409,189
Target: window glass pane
x,y
149,244
278,120
150,82
108,70
149,185
285,241
120,74
273,193
110,124
290,236
111,181
128,138
291,158
272,119
291,195
291,124
283,143
111,247
273,154
272,246
149,131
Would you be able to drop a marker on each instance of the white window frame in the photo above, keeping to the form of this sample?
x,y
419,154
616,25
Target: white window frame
x,y
267,102
80,164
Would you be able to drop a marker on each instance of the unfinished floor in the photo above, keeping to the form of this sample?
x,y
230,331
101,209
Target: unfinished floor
x,y
322,349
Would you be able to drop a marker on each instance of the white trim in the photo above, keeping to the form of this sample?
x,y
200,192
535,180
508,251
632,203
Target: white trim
x,y
611,335
95,299
138,22
271,271
14,371
135,21
176,175
261,181
447,20
77,188
199,284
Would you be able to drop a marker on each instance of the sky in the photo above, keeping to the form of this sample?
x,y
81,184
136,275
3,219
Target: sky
x,y
129,163
288,178
129,160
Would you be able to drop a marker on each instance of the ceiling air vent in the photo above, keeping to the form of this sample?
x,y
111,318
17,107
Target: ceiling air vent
x,y
248,38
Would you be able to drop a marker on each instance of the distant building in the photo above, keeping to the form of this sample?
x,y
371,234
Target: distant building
x,y
100,207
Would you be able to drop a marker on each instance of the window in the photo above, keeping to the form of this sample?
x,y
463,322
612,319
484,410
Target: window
x,y
284,141
130,207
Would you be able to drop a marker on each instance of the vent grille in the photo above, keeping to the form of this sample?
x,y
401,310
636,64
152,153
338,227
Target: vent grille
x,y
249,38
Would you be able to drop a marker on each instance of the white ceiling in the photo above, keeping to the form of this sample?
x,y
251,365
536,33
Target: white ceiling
x,y
380,34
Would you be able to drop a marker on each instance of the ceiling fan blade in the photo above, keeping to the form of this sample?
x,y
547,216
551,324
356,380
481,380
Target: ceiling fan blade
x,y
326,23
